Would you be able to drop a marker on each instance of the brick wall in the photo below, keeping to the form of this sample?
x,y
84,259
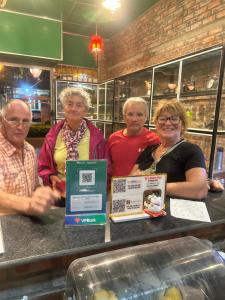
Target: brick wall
x,y
168,30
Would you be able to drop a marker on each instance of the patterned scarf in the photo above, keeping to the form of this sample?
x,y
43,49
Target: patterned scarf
x,y
72,139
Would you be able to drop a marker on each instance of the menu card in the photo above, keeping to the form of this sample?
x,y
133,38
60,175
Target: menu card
x,y
86,182
137,197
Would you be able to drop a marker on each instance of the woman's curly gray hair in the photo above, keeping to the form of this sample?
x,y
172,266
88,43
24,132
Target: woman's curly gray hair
x,y
72,91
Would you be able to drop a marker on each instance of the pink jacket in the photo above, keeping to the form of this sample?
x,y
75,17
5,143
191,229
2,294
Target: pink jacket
x,y
46,164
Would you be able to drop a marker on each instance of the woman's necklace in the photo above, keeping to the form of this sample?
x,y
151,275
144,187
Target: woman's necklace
x,y
166,150
160,151
152,168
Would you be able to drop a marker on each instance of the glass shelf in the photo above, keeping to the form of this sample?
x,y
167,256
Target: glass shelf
x,y
166,80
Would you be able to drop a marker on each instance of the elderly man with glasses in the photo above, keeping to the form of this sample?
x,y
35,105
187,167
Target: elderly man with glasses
x,y
125,145
19,191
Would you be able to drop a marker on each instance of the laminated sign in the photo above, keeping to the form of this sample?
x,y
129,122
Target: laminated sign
x,y
137,197
86,194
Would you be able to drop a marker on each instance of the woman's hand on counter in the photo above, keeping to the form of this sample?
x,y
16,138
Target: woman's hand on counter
x,y
215,185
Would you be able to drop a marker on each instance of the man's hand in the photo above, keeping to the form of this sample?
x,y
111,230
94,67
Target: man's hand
x,y
55,180
58,184
42,199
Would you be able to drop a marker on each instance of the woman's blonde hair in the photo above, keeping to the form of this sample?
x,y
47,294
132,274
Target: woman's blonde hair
x,y
174,107
72,91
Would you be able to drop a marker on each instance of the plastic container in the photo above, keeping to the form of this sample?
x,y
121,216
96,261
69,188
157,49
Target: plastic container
x,y
185,268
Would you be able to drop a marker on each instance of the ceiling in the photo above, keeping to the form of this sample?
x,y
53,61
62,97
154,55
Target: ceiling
x,y
81,17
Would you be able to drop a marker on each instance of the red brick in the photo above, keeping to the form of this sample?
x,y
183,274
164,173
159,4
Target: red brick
x,y
214,3
182,26
196,25
216,30
200,11
220,14
208,19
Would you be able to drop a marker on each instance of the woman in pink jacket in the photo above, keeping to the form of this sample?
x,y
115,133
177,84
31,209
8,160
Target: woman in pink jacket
x,y
70,139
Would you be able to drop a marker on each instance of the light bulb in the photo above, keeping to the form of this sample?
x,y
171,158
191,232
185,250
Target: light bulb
x,y
112,5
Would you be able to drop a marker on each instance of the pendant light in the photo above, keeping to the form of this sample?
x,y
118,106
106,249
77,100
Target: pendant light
x,y
36,72
96,44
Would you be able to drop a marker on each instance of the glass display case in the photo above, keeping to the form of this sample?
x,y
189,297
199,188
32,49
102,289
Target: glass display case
x,y
185,269
195,81
109,100
165,84
219,157
122,92
102,102
199,87
105,127
166,81
105,100
138,84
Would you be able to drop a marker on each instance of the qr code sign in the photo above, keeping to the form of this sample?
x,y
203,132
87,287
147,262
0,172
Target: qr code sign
x,y
119,186
118,206
87,177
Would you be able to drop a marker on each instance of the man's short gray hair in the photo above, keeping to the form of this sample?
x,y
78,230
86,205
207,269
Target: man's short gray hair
x,y
72,91
135,100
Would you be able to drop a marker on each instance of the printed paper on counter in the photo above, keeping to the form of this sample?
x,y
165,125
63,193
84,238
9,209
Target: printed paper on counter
x,y
190,210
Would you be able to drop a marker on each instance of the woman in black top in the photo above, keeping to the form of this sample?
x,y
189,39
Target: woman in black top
x,y
183,161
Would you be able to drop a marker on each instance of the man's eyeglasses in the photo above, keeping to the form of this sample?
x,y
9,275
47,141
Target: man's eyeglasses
x,y
138,115
16,123
173,120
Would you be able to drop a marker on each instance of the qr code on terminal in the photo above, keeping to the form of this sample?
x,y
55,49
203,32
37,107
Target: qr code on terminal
x,y
118,206
119,186
87,177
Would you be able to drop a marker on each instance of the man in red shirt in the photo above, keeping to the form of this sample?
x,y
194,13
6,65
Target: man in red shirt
x,y
126,145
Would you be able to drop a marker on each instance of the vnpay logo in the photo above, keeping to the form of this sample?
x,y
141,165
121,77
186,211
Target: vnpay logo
x,y
85,220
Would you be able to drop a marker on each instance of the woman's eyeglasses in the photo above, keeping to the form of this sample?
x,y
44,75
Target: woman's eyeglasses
x,y
15,123
173,120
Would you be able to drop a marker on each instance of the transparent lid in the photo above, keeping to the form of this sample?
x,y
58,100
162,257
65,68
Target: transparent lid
x,y
185,268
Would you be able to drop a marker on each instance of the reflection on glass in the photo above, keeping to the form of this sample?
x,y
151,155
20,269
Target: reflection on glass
x,y
28,84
